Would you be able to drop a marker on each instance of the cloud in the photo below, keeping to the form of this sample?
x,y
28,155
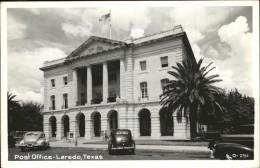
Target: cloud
x,y
35,11
77,30
194,35
29,95
236,35
15,29
137,32
24,77
236,70
201,19
82,23
212,52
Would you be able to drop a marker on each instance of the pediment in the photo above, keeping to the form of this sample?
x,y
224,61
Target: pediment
x,y
95,45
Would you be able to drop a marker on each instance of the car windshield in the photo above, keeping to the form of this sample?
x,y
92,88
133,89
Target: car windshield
x,y
122,133
32,134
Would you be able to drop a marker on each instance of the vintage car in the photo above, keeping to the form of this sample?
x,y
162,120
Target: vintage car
x,y
239,146
121,140
34,140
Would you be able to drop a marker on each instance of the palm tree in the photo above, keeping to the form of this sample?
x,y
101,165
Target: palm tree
x,y
13,110
191,93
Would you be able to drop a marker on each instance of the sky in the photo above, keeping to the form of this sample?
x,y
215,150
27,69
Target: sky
x,y
222,35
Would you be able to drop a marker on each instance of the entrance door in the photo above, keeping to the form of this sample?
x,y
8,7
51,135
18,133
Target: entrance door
x,y
113,120
97,124
145,122
53,126
82,125
166,122
66,125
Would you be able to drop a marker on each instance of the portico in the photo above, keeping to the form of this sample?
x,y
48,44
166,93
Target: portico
x,y
99,83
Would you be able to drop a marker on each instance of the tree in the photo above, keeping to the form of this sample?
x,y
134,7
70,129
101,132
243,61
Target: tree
x,y
32,118
240,111
191,93
14,109
23,116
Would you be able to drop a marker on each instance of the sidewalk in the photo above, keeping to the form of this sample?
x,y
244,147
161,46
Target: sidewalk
x,y
63,143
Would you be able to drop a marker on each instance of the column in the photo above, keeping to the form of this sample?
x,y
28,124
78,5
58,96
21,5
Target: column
x,y
59,130
129,77
46,129
89,85
73,127
136,128
122,79
105,83
155,127
87,128
75,86
104,125
181,130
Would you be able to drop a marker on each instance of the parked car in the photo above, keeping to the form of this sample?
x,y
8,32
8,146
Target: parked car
x,y
34,140
239,146
121,140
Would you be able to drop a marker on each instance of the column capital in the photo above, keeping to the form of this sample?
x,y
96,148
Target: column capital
x,y
104,61
74,68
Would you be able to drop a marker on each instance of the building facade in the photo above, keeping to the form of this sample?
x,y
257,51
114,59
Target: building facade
x,y
106,84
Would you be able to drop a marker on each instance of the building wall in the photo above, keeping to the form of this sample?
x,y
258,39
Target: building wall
x,y
154,72
59,89
128,117
130,78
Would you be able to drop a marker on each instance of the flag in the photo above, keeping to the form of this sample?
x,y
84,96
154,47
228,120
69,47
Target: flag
x,y
105,17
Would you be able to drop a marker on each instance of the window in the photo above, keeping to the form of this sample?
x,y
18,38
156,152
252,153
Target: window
x,y
65,80
164,61
143,65
82,98
97,79
112,93
53,83
164,83
144,90
83,80
65,100
99,95
52,102
112,77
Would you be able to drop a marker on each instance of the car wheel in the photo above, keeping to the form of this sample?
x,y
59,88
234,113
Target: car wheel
x,y
22,149
44,146
110,150
132,151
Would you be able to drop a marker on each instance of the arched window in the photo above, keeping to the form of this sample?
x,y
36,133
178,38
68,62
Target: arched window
x,y
144,90
164,83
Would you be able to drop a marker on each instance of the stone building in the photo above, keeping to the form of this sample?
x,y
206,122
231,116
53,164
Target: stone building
x,y
106,84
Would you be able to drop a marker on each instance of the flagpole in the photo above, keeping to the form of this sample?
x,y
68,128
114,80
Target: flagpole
x,y
110,35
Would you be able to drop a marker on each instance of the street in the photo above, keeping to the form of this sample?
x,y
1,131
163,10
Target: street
x,y
71,153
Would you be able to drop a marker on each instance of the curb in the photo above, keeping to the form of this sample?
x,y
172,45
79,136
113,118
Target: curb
x,y
141,147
